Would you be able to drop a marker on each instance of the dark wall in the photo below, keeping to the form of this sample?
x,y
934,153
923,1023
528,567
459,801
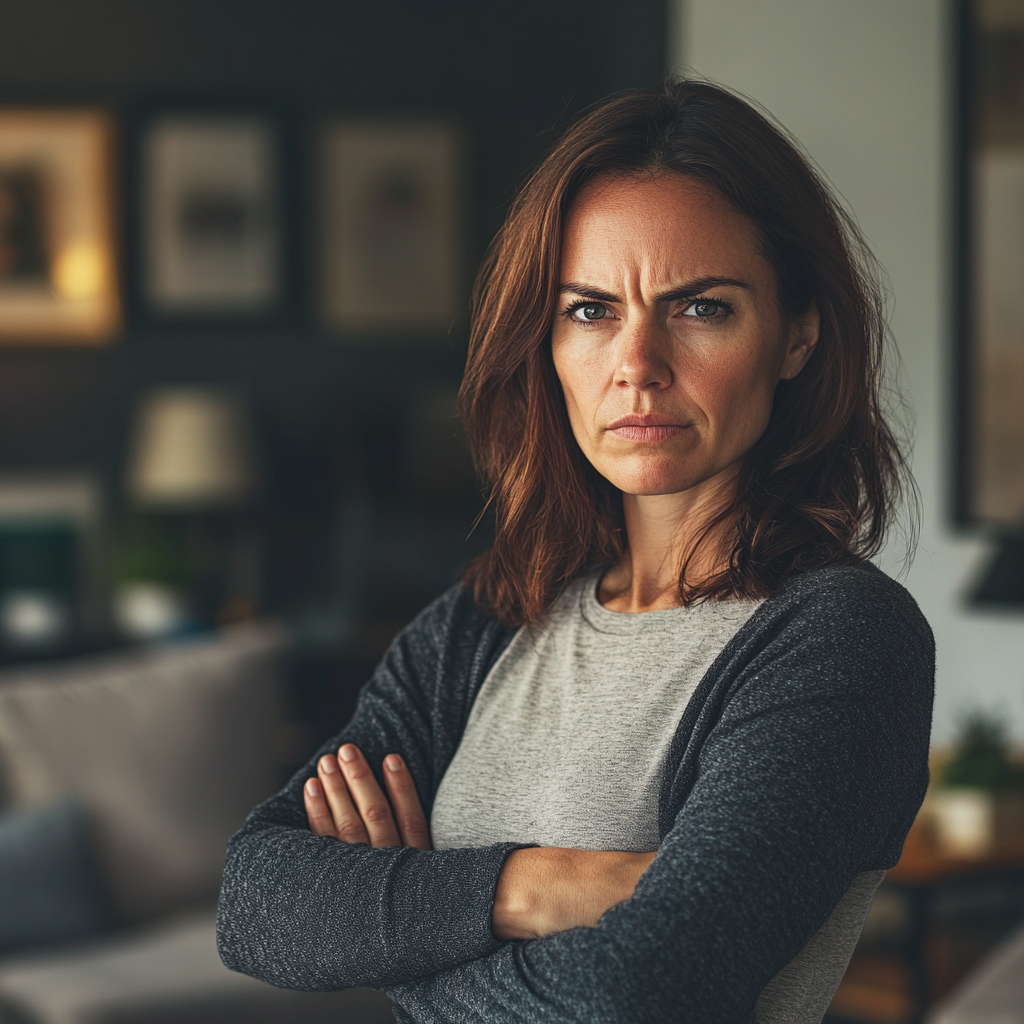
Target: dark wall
x,y
511,74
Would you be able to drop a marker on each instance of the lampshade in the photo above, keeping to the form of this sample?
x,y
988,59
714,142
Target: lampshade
x,y
192,450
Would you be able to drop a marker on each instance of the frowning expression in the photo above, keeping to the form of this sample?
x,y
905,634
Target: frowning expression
x,y
668,338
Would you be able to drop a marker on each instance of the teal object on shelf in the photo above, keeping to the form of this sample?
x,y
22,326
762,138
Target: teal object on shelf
x,y
38,585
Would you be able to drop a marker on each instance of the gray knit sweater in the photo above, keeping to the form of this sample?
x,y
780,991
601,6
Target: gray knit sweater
x,y
800,762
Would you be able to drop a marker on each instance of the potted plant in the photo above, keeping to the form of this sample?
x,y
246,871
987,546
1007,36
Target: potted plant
x,y
978,802
154,578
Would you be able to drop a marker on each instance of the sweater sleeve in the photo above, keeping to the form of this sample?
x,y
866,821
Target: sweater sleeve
x,y
812,774
308,912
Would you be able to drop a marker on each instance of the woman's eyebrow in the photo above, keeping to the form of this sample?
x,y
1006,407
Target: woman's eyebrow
x,y
588,292
701,284
684,291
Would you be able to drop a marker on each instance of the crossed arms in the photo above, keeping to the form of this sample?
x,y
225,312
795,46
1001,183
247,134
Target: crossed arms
x,y
802,777
540,891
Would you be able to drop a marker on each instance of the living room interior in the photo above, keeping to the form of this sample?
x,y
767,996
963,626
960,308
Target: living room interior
x,y
237,245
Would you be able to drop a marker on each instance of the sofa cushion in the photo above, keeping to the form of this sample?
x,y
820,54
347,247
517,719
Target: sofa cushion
x,y
167,747
49,888
168,973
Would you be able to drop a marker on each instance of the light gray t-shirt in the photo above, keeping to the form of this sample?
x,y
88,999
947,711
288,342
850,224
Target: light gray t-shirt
x,y
567,743
567,740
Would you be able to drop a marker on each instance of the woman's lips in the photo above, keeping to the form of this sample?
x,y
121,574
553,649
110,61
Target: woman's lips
x,y
649,434
650,429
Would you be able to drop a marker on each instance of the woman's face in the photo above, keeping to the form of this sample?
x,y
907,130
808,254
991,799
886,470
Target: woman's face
x,y
668,338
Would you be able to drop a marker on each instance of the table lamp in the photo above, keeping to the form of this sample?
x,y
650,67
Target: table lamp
x,y
192,451
192,460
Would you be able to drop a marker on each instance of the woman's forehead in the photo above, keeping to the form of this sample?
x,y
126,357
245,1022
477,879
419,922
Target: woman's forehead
x,y
666,224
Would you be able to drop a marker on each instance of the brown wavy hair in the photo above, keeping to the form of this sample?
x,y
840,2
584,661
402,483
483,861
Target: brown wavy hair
x,y
820,486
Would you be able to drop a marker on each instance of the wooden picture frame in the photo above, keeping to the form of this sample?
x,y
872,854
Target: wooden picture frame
x,y
389,228
58,271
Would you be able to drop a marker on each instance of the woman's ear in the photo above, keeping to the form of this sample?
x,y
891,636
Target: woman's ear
x,y
801,342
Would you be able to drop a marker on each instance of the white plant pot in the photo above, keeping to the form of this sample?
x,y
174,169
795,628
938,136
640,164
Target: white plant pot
x,y
149,611
964,820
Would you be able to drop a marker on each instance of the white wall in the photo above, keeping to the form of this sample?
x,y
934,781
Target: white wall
x,y
866,85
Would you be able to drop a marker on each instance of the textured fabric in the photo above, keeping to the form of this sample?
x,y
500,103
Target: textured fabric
x,y
566,746
49,887
568,738
802,990
799,763
167,748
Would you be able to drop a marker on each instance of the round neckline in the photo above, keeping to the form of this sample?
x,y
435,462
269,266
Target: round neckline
x,y
604,620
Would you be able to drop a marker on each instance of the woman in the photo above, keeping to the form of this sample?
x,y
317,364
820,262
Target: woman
x,y
673,726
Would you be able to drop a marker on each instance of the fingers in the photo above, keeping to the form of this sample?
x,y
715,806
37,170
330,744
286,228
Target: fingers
x,y
372,805
348,824
412,823
345,801
321,821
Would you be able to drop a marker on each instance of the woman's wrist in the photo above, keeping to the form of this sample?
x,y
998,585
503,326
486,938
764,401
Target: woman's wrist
x,y
548,889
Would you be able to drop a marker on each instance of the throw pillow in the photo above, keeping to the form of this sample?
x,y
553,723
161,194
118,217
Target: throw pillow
x,y
49,888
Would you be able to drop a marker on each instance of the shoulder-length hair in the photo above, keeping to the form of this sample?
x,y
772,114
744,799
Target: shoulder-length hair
x,y
821,484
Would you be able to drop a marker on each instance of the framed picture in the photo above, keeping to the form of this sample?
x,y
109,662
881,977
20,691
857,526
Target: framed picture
x,y
991,377
58,280
390,232
211,232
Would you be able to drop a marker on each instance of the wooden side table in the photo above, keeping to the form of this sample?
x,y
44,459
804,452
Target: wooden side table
x,y
896,984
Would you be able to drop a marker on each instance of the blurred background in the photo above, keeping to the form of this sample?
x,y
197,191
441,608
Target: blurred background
x,y
236,247
248,157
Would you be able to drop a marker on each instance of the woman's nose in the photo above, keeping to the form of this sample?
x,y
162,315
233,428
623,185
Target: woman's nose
x,y
643,358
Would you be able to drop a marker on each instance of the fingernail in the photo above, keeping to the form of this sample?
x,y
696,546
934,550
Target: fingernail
x,y
393,763
348,752
313,787
328,765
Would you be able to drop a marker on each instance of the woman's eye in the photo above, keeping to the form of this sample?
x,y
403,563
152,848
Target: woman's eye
x,y
591,311
703,309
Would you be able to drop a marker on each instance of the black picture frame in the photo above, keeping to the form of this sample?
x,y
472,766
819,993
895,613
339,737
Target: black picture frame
x,y
231,218
1000,584
988,363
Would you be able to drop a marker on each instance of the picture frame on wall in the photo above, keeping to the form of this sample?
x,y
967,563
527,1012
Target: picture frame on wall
x,y
990,374
58,268
390,235
211,219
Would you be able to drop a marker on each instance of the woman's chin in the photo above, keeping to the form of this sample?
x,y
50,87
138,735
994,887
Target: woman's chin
x,y
653,480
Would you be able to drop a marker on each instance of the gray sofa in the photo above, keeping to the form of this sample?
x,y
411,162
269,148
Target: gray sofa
x,y
140,765
993,993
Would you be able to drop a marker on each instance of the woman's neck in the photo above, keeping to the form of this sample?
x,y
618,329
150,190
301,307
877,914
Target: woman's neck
x,y
662,530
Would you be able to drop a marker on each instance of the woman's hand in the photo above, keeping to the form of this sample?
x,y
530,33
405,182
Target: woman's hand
x,y
549,889
540,891
345,801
